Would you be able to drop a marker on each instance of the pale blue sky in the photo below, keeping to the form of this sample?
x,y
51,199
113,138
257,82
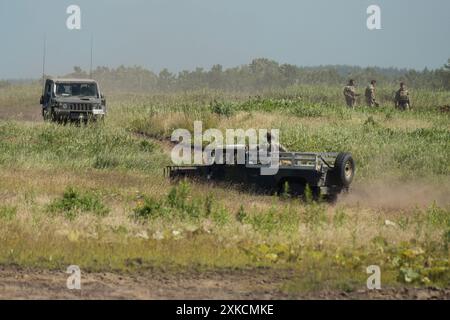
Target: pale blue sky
x,y
184,34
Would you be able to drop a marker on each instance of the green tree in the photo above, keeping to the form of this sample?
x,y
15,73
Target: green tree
x,y
447,66
166,80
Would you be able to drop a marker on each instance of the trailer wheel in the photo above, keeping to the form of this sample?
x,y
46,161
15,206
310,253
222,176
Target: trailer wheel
x,y
344,168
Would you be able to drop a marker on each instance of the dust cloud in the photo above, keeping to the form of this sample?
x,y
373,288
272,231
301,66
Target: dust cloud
x,y
398,195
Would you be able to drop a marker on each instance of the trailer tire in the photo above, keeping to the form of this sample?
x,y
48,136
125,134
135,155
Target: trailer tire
x,y
344,169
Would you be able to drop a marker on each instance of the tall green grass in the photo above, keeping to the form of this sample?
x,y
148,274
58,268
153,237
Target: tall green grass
x,y
76,147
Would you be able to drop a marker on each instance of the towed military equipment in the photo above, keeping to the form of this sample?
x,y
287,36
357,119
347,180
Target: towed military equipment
x,y
326,174
72,100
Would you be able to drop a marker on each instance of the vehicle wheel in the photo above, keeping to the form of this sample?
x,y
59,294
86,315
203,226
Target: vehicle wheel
x,y
344,169
46,114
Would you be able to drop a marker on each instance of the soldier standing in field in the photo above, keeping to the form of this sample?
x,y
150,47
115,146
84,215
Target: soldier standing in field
x,y
370,94
350,94
402,101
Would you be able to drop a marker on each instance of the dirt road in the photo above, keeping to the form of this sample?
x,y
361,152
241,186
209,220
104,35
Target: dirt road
x,y
21,113
248,284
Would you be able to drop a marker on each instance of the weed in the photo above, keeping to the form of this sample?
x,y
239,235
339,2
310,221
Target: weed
x,y
147,146
209,202
241,215
222,108
148,208
221,216
74,202
178,195
437,216
7,213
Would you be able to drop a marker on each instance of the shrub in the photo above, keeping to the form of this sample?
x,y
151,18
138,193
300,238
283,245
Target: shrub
x,y
437,216
178,204
177,197
148,208
74,202
220,216
222,108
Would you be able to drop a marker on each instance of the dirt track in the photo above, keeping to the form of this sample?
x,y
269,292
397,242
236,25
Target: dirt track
x,y
21,113
251,284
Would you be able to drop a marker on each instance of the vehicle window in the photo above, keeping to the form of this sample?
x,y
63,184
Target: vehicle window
x,y
48,88
76,90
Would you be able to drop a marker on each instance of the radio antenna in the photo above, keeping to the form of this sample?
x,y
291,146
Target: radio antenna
x,y
92,51
44,59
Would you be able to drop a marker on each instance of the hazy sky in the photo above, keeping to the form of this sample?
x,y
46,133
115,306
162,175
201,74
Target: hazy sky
x,y
184,34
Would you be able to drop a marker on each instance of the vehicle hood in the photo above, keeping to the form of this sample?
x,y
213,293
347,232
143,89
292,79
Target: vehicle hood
x,y
77,100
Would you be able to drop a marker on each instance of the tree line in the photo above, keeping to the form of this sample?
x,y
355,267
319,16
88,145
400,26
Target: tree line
x,y
261,74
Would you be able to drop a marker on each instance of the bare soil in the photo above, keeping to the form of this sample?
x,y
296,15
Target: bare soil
x,y
21,113
264,284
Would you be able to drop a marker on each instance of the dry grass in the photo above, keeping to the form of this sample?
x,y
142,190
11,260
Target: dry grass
x,y
389,211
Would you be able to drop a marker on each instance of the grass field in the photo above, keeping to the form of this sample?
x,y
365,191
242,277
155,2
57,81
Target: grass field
x,y
95,195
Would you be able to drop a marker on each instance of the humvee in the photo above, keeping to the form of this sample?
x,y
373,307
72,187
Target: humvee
x,y
72,100
326,174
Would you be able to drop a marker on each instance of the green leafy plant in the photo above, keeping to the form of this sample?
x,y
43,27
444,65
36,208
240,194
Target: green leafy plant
x,y
222,108
148,208
74,201
241,215
7,212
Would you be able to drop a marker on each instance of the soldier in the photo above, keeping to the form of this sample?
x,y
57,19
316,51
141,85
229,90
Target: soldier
x,y
402,98
370,94
350,94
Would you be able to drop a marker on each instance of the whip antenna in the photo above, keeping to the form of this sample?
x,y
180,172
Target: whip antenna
x,y
92,50
43,59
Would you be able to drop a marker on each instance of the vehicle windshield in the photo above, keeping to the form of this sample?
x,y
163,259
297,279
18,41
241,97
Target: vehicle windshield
x,y
76,90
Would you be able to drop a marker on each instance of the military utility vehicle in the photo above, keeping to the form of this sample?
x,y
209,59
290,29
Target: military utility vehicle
x,y
66,100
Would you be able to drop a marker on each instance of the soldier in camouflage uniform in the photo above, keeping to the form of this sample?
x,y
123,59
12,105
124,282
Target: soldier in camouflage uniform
x,y
350,94
402,101
370,95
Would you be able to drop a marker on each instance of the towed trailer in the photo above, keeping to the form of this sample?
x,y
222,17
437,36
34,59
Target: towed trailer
x,y
326,174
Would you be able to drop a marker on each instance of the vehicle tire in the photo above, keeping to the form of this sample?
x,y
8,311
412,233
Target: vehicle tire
x,y
344,169
48,115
